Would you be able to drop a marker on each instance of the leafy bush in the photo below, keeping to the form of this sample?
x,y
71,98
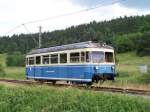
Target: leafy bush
x,y
15,59
143,45
2,71
126,42
144,78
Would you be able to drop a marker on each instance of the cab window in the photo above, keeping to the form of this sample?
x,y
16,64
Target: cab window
x,y
109,57
97,57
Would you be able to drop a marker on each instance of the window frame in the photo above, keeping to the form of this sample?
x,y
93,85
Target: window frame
x,y
48,57
87,55
66,61
39,61
32,60
27,62
56,58
74,57
51,61
100,61
111,58
83,57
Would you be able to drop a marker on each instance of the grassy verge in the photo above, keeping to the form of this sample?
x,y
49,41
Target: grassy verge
x,y
49,99
128,69
15,72
10,72
131,58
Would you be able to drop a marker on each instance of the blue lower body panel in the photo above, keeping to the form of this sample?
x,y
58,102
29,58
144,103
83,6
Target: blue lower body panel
x,y
82,73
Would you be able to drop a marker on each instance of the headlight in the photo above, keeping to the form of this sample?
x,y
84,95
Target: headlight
x,y
113,68
96,67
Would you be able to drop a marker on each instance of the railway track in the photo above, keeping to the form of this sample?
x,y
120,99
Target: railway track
x,y
94,88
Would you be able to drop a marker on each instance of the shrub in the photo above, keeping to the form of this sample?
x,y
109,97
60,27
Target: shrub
x,y
143,45
2,71
15,59
126,42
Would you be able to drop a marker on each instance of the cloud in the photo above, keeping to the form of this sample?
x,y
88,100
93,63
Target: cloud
x,y
21,11
139,4
30,10
87,3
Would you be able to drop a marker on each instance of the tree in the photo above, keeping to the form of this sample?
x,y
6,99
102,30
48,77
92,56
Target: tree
x,y
143,45
120,32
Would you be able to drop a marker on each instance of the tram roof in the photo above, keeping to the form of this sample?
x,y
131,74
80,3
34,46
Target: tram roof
x,y
81,45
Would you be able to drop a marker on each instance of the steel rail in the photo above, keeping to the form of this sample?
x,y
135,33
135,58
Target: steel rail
x,y
93,88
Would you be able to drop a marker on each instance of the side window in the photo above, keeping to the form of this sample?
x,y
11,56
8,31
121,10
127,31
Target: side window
x,y
54,58
87,57
38,60
109,57
74,57
27,61
31,60
46,59
63,58
83,57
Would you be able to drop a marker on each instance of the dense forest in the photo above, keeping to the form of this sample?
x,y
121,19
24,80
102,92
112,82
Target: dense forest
x,y
124,33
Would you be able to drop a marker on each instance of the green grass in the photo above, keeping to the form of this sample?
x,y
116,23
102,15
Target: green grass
x,y
131,58
50,99
128,68
2,65
3,59
15,72
11,72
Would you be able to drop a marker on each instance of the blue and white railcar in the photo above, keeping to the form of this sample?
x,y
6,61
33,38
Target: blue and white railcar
x,y
83,62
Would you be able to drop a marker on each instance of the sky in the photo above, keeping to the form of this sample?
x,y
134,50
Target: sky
x,y
15,13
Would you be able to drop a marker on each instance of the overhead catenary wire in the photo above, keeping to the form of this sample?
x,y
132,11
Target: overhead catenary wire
x,y
29,33
16,27
75,12
26,28
63,15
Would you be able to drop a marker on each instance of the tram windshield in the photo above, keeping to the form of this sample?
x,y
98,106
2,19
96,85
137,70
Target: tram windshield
x,y
98,57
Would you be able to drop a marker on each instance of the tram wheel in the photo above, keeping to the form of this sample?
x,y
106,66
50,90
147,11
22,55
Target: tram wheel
x,y
39,81
89,84
53,82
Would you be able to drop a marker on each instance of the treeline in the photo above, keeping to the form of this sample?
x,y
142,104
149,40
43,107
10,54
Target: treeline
x,y
125,34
